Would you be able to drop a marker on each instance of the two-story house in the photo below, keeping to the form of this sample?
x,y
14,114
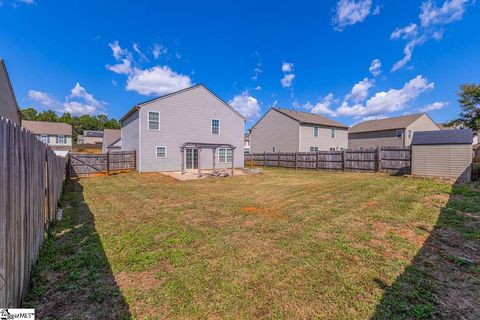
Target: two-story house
x,y
284,130
389,132
184,130
8,104
57,135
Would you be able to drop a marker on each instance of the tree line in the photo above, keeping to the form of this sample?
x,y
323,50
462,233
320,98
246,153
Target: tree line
x,y
78,123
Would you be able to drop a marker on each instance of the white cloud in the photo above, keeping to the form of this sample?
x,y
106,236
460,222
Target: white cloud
x,y
350,12
158,80
287,67
78,102
245,104
42,98
258,88
432,20
158,50
323,107
287,80
388,101
375,67
359,91
433,106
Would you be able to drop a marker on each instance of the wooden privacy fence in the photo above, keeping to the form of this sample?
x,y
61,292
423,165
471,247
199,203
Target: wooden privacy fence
x,y
390,159
84,165
31,180
476,165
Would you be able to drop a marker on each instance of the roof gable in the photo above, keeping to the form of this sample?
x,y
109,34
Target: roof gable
x,y
198,86
400,122
310,118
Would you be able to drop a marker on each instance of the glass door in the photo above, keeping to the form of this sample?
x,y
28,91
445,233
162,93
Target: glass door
x,y
191,158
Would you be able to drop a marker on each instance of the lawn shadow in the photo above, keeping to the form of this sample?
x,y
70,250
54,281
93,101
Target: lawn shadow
x,y
443,280
73,278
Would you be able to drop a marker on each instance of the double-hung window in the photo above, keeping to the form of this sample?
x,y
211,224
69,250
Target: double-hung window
x,y
315,131
313,149
225,155
61,139
409,134
44,138
153,120
398,134
161,152
215,126
334,133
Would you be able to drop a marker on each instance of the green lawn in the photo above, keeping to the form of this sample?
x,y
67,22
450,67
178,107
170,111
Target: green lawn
x,y
282,245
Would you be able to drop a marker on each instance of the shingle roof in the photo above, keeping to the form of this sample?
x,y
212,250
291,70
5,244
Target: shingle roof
x,y
460,136
385,124
310,118
44,127
93,133
111,136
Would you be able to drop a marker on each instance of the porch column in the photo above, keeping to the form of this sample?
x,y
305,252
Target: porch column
x,y
233,162
213,154
182,152
199,164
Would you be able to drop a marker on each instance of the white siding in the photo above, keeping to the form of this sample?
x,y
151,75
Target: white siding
x,y
445,161
324,141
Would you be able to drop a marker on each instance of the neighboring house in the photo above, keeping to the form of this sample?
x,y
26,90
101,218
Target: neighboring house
x,y
443,153
391,132
190,128
445,126
90,137
283,130
8,104
111,140
56,134
246,144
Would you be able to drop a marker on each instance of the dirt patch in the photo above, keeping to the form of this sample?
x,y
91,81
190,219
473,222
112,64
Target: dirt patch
x,y
271,213
144,280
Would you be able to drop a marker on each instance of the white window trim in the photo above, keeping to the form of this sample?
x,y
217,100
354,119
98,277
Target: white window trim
x,y
47,138
156,152
313,147
333,133
148,121
226,155
410,134
274,148
63,140
316,132
211,126
401,133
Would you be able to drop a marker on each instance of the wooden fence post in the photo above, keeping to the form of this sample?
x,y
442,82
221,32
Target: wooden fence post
x,y
108,163
264,156
379,159
296,161
344,160
135,160
278,161
251,163
316,160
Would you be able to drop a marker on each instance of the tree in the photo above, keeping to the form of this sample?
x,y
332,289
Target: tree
x,y
47,115
29,114
469,99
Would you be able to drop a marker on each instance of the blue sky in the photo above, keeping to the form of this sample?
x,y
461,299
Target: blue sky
x,y
348,60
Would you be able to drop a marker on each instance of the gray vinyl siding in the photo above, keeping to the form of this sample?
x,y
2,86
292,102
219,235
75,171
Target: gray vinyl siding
x,y
324,141
275,129
375,138
130,135
186,117
445,161
8,105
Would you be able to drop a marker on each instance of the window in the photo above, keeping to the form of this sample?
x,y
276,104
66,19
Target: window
x,y
161,152
313,149
409,134
44,138
332,149
225,155
61,139
315,131
274,149
215,126
153,120
398,133
334,132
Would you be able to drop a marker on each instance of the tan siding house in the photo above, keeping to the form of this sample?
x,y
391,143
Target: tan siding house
x,y
8,103
111,140
283,130
446,154
392,132
157,130
56,134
